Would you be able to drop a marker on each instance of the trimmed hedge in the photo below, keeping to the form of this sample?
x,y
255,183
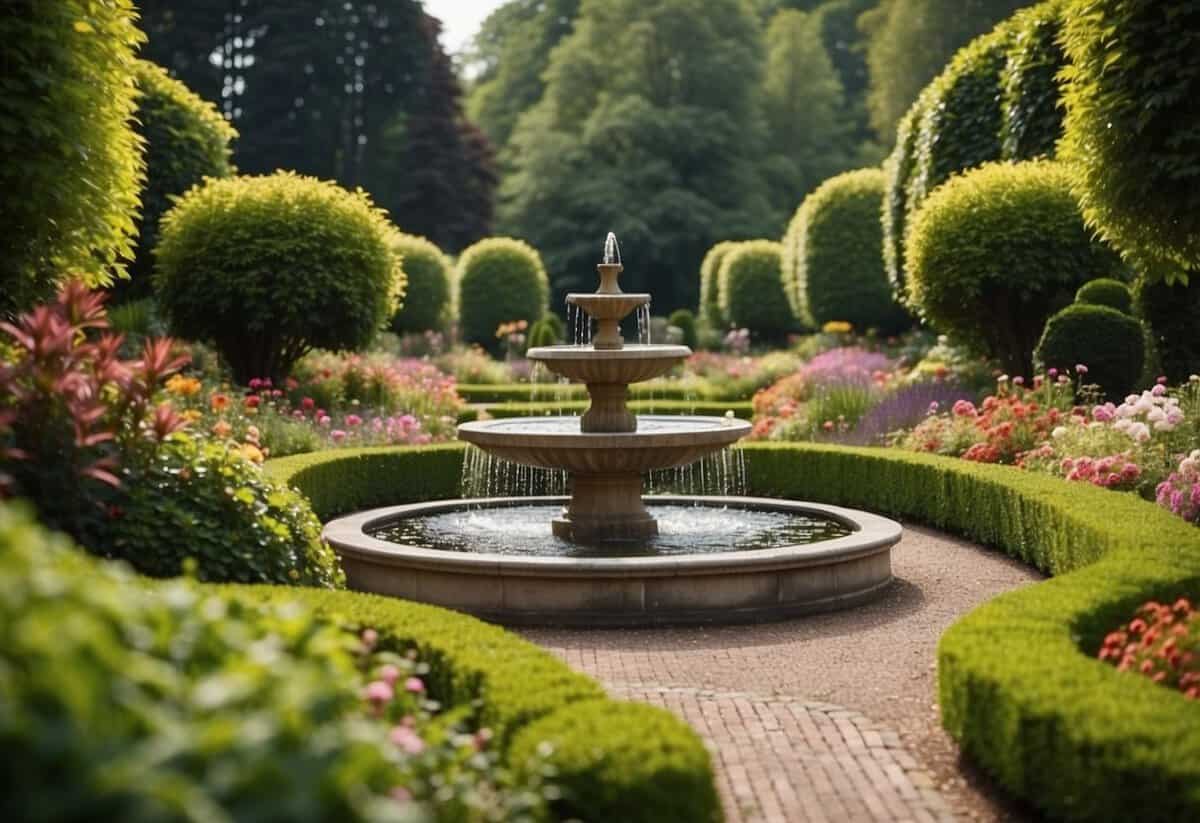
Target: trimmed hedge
x,y
833,256
751,289
740,408
427,273
1020,686
710,288
1171,312
1110,343
1031,91
1104,291
500,280
899,169
685,321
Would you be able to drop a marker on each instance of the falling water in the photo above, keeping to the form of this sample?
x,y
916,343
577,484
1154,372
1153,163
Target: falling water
x,y
720,473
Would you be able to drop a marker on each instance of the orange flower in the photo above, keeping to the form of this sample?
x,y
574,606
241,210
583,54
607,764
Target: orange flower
x,y
221,429
219,402
252,453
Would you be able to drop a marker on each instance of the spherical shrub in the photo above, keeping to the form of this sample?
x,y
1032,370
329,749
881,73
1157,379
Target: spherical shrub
x,y
1171,312
1109,342
206,501
710,287
187,140
994,252
120,698
72,162
500,280
1133,128
838,242
1032,116
270,267
427,273
1106,292
544,333
751,289
685,321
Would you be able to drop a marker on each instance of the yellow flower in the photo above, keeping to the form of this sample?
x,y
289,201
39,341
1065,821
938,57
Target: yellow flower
x,y
190,415
837,327
183,386
252,453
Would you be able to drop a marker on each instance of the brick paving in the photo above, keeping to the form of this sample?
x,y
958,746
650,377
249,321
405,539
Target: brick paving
x,y
825,718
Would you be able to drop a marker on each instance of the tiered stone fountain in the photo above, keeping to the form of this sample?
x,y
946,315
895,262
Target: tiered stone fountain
x,y
722,559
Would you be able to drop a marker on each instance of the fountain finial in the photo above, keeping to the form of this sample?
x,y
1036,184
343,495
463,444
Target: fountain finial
x,y
612,251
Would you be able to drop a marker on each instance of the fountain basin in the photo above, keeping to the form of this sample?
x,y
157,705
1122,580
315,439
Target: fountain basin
x,y
631,364
721,587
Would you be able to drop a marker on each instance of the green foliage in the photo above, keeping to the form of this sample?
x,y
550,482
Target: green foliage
x,y
544,332
685,321
710,283
669,777
833,256
270,267
994,252
1104,291
205,501
1133,128
751,289
427,273
899,169
1171,312
1032,116
1020,687
1110,343
128,701
73,164
186,140
500,280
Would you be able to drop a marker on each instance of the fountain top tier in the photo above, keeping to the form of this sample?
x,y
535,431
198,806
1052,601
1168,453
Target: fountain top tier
x,y
608,305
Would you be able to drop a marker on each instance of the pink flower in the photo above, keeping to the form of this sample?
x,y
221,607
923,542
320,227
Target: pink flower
x,y
337,435
389,674
964,408
378,692
1159,390
324,421
1161,380
308,403
1080,368
407,740
1052,373
1018,381
353,420
369,638
414,685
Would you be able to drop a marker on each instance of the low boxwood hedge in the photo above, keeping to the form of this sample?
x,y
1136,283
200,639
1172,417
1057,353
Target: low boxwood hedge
x,y
1020,687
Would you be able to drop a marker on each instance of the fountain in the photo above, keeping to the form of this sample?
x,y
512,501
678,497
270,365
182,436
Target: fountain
x,y
601,560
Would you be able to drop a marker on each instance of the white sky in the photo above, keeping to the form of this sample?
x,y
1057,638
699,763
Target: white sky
x,y
460,19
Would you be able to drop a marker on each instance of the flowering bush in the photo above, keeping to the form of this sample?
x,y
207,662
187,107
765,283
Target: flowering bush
x,y
1180,492
847,365
474,365
737,341
1163,643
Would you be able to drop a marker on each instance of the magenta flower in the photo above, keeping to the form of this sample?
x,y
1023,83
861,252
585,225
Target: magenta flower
x,y
1081,369
338,435
407,740
414,684
353,420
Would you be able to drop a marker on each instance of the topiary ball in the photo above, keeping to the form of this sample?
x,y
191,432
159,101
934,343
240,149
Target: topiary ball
x,y
751,290
838,267
270,267
543,333
1109,342
994,252
710,286
205,501
685,321
187,140
1106,292
427,273
500,280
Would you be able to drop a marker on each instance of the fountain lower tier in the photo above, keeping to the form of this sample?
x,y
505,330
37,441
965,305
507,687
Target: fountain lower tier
x,y
606,469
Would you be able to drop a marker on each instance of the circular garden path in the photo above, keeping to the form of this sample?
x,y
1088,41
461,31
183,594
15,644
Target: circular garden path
x,y
825,718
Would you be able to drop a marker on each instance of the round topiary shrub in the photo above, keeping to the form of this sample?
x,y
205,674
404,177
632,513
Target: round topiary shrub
x,y
72,162
1171,311
994,252
207,502
1032,116
685,321
500,280
544,333
751,290
427,273
838,242
187,140
1109,342
710,287
1133,128
270,267
1106,292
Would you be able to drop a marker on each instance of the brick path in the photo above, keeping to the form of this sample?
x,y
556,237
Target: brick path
x,y
756,694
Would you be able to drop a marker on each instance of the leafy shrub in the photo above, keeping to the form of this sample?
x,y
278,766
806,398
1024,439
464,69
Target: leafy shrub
x,y
187,140
1171,312
899,169
271,267
1162,642
685,321
1133,128
206,501
543,333
836,253
427,273
670,780
751,289
994,252
1105,291
710,283
1109,342
500,280
73,163
1032,116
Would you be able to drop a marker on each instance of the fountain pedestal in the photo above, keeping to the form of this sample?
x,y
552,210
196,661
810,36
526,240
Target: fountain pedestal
x,y
605,507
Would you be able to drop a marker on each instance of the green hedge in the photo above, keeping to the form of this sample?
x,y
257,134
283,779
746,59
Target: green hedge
x,y
1032,116
427,274
740,408
1104,291
500,280
752,293
898,170
1109,342
710,290
1020,687
1171,312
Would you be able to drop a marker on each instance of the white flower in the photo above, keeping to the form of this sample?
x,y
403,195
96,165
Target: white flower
x,y
1139,432
1060,431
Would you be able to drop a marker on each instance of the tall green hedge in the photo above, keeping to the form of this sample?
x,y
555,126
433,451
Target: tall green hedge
x,y
1133,127
1020,686
1031,90
898,169
187,139
427,273
72,163
995,251
499,280
752,295
710,284
833,256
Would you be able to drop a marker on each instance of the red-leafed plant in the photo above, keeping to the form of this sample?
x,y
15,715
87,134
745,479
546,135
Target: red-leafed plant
x,y
71,410
1162,642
